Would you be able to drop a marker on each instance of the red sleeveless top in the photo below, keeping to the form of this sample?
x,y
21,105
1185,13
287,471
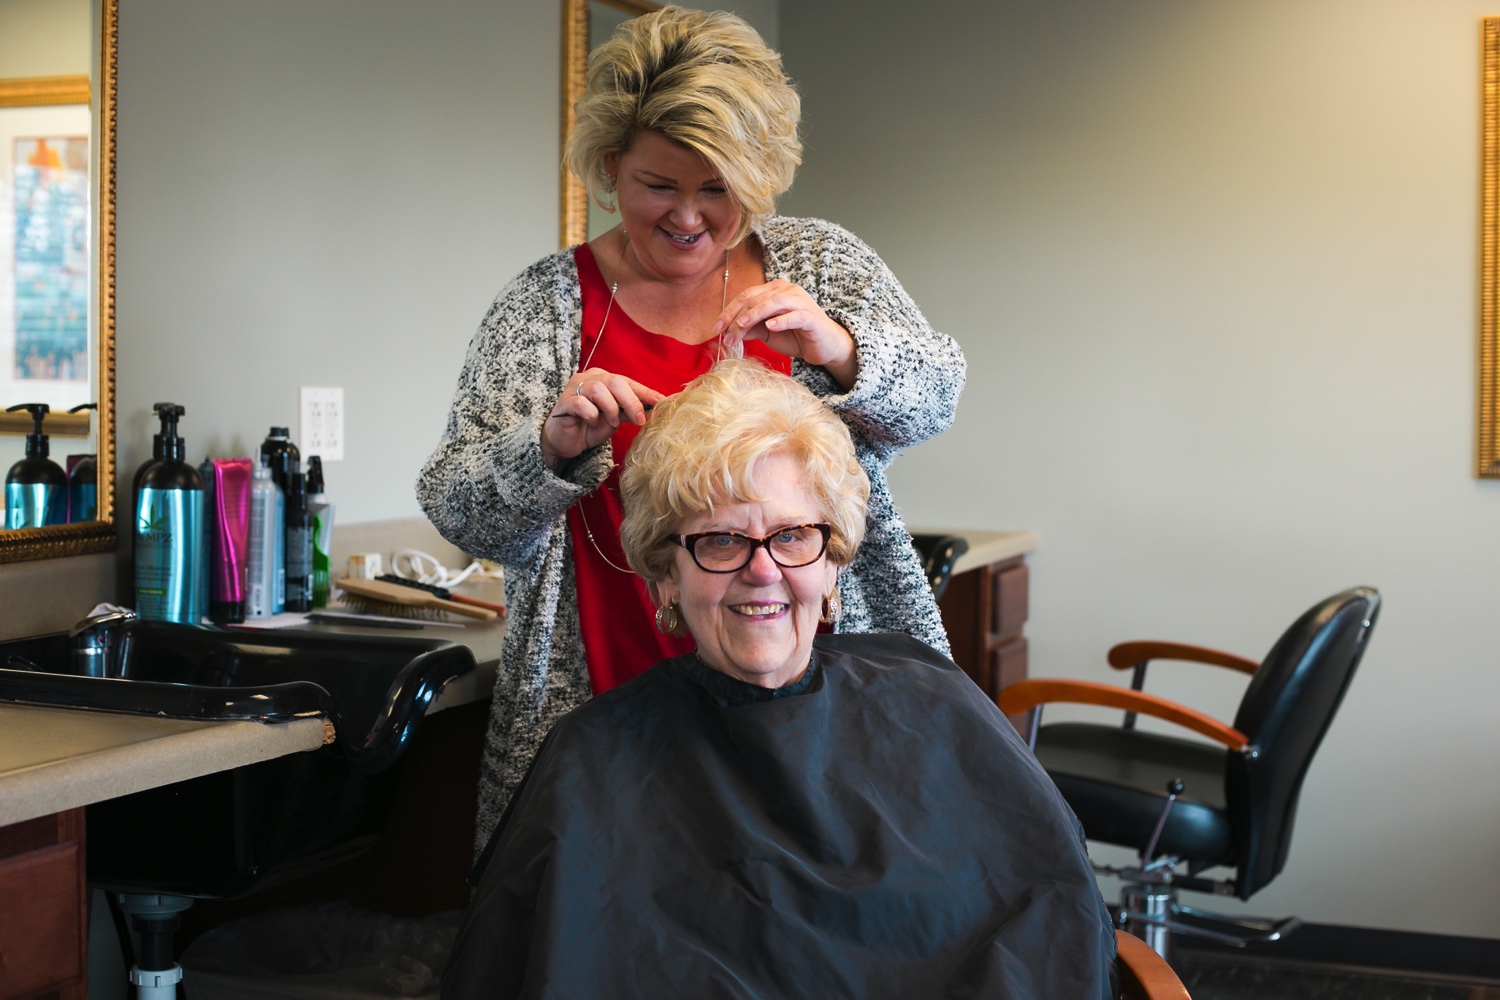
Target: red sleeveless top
x,y
615,612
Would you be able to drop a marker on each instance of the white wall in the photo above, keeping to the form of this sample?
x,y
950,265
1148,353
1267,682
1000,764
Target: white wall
x,y
1214,268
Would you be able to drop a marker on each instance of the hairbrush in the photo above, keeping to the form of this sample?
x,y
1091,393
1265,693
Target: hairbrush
x,y
395,599
442,592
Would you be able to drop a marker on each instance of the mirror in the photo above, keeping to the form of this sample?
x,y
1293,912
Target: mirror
x,y
57,281
586,24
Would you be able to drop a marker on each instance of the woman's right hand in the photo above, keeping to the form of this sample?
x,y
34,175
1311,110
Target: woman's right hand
x,y
591,408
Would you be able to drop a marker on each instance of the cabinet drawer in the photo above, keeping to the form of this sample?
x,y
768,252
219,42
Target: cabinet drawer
x,y
41,937
1009,601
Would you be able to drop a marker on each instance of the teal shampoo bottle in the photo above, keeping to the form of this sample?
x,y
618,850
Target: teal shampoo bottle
x,y
36,488
169,533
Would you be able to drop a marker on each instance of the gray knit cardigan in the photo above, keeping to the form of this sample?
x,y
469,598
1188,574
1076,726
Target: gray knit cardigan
x,y
487,490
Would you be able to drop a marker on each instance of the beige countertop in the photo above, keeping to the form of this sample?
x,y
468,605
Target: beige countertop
x,y
52,759
986,547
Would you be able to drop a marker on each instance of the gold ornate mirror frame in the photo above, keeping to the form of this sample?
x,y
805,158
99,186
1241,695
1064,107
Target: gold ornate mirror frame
x,y
97,535
575,197
1487,459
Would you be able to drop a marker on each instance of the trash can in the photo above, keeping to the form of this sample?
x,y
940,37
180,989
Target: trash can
x,y
321,951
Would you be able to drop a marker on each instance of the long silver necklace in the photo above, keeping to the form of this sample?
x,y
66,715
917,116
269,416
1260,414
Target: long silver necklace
x,y
598,337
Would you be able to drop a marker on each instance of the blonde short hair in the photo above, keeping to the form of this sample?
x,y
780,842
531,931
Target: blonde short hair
x,y
701,446
704,79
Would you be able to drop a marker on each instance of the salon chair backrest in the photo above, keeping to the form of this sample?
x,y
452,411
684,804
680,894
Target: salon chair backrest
x,y
939,554
1286,710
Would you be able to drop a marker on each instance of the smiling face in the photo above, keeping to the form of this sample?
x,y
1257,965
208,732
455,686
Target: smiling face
x,y
675,207
756,624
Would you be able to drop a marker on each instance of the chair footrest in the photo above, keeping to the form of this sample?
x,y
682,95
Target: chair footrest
x,y
1237,932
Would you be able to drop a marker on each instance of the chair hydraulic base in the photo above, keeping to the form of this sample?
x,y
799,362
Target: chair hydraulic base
x,y
1153,914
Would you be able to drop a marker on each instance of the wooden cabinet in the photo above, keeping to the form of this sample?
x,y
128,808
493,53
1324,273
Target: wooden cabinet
x,y
43,939
984,611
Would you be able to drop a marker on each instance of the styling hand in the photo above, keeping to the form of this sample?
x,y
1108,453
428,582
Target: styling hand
x,y
591,408
790,322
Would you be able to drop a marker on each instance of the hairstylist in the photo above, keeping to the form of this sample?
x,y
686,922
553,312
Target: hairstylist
x,y
688,127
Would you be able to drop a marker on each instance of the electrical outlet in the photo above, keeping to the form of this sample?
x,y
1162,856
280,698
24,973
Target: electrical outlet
x,y
322,431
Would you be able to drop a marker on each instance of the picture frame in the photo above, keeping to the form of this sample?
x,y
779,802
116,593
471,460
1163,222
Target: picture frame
x,y
44,240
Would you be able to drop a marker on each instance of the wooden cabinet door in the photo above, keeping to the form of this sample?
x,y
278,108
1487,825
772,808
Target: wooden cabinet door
x,y
985,612
43,939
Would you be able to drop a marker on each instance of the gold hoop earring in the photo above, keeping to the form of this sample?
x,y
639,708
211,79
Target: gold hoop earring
x,y
667,619
833,607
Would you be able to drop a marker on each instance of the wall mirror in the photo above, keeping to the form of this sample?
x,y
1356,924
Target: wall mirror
x,y
57,346
1487,452
586,24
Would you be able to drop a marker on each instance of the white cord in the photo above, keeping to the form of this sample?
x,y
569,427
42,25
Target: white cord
x,y
414,564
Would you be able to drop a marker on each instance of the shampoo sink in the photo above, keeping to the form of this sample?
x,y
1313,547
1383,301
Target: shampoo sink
x,y
227,833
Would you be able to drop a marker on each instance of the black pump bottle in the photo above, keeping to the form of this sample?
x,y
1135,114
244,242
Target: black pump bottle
x,y
36,488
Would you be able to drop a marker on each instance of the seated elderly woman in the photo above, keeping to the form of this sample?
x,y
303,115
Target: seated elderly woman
x,y
779,813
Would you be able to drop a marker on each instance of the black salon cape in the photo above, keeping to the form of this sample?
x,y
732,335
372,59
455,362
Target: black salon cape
x,y
877,829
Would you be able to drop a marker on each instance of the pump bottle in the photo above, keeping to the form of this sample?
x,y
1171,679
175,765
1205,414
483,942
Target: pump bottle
x,y
36,488
169,532
83,480
140,472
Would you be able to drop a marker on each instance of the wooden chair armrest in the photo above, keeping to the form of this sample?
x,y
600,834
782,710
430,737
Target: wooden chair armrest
x,y
1128,655
1025,695
1144,974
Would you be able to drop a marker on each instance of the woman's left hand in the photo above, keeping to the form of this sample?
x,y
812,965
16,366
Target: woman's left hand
x,y
790,322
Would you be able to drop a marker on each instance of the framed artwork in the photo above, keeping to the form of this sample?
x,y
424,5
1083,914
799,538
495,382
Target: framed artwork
x,y
46,272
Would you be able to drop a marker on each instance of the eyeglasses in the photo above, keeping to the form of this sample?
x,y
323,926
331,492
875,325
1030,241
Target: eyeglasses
x,y
729,552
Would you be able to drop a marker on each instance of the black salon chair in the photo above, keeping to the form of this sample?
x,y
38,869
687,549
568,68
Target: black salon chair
x,y
1187,806
938,554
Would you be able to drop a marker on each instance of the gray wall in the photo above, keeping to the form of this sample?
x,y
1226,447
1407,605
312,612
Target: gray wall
x,y
44,38
327,194
1214,268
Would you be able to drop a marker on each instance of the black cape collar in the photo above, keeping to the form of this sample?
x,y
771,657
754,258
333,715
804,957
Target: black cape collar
x,y
729,692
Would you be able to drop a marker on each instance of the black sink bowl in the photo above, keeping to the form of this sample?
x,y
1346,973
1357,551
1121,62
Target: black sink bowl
x,y
375,689
226,834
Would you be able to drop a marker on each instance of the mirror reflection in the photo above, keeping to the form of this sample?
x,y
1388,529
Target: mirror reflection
x,y
56,278
588,24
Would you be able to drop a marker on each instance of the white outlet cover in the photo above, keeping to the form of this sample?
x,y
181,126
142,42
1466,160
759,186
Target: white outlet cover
x,y
322,430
